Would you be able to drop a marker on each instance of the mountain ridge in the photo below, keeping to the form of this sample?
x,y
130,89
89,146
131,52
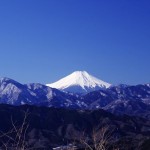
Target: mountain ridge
x,y
131,100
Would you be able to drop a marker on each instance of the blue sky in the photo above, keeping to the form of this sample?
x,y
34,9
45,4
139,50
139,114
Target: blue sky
x,y
44,40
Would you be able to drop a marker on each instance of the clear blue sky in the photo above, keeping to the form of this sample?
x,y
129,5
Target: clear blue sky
x,y
44,40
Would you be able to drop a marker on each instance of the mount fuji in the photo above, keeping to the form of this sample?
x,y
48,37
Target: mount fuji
x,y
79,82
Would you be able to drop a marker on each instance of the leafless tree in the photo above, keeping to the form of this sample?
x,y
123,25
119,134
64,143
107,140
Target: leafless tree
x,y
15,139
100,139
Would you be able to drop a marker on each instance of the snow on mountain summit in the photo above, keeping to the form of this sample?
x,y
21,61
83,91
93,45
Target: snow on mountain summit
x,y
79,82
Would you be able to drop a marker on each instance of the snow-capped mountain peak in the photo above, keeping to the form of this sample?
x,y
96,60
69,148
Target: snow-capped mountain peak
x,y
79,82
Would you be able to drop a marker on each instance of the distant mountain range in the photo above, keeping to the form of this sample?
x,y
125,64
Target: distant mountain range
x,y
79,91
15,93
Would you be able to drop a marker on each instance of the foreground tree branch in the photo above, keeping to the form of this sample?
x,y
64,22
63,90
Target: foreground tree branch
x,y
100,139
16,137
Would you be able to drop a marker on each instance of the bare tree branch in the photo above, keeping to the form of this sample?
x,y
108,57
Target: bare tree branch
x,y
16,137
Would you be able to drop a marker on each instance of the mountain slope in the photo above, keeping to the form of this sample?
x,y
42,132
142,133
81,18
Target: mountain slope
x,y
15,93
131,100
79,82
